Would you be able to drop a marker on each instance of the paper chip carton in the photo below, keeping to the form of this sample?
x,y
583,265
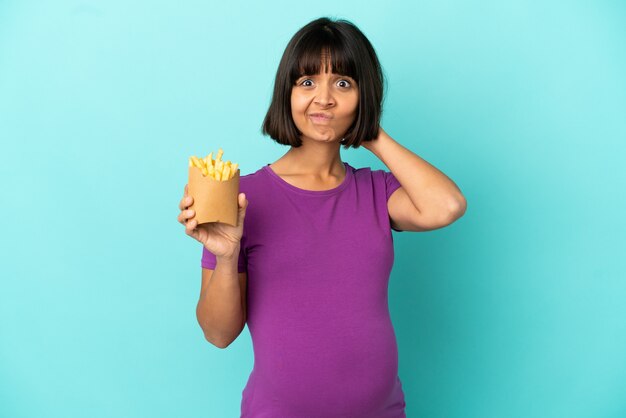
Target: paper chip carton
x,y
213,200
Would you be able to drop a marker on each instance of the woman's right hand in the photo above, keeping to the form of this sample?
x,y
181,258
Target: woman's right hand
x,y
219,238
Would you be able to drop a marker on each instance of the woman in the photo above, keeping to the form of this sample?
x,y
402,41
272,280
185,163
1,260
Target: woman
x,y
309,270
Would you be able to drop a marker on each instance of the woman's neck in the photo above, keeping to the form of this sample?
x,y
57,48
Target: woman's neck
x,y
318,160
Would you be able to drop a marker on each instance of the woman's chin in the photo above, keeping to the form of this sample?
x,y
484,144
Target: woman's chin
x,y
323,138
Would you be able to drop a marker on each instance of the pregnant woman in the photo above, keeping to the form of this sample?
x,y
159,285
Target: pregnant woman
x,y
307,267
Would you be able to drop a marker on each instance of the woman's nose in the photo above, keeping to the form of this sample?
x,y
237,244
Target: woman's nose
x,y
324,96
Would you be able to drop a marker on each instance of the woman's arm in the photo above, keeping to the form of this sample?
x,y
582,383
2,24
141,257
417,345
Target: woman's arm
x,y
428,199
221,310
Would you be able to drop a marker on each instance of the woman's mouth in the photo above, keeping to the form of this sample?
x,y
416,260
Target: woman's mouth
x,y
319,117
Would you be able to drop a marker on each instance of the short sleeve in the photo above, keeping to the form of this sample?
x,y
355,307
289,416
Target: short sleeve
x,y
209,261
391,183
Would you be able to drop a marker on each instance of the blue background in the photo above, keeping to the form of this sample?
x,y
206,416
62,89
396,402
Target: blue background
x,y
515,310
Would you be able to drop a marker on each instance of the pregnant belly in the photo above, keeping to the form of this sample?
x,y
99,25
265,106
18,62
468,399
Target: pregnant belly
x,y
338,370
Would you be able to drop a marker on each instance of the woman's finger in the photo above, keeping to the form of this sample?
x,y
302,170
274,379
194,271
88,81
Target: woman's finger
x,y
185,215
185,202
243,205
190,228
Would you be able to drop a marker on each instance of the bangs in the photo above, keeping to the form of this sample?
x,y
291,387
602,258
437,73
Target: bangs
x,y
314,53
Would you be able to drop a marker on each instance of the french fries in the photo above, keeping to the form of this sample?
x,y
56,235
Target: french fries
x,y
215,169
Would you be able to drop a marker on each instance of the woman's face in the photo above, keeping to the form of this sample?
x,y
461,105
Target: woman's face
x,y
323,106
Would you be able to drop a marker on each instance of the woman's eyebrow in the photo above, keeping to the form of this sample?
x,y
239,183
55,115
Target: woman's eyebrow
x,y
344,76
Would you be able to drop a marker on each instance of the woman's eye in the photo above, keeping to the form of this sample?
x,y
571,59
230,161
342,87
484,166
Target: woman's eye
x,y
344,83
304,83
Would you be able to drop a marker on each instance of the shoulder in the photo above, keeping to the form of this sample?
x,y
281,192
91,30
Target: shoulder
x,y
252,181
359,171
368,175
380,181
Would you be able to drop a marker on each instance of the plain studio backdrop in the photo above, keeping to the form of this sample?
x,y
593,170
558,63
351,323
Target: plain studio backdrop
x,y
515,311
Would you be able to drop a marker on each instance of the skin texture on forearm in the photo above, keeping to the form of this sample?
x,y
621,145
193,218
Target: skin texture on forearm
x,y
219,309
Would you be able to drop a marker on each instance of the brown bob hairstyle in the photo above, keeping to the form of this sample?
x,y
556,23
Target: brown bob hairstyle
x,y
351,54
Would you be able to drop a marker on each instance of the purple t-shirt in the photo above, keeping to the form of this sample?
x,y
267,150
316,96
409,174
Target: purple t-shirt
x,y
318,265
